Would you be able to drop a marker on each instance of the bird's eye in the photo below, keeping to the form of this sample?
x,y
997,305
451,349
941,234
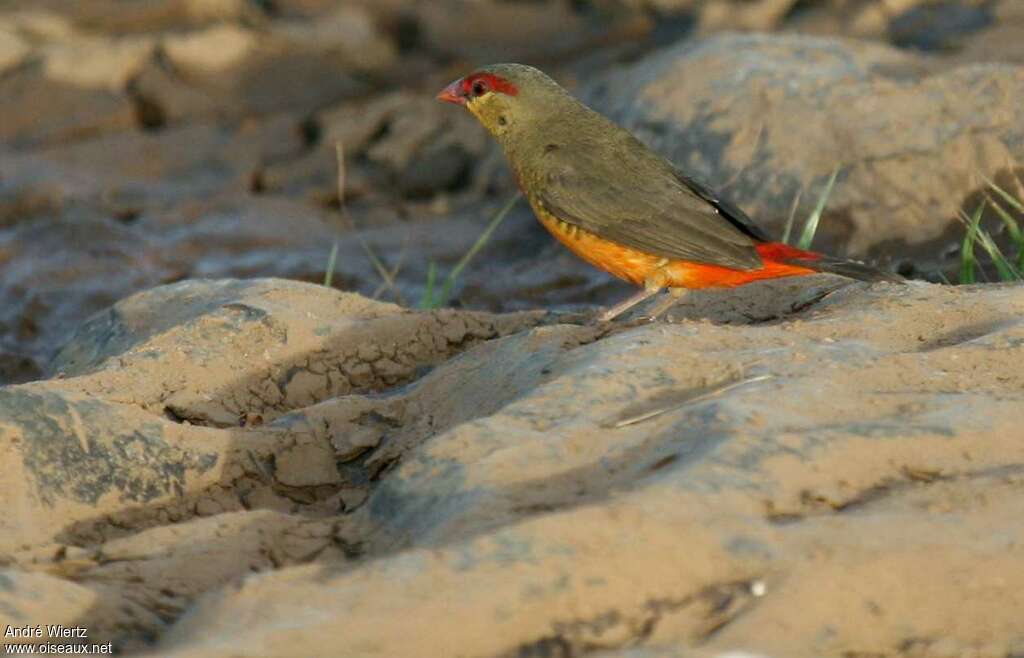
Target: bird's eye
x,y
479,88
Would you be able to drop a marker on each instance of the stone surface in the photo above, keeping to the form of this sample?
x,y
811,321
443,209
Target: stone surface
x,y
97,63
37,23
13,49
37,599
420,146
688,485
53,112
210,51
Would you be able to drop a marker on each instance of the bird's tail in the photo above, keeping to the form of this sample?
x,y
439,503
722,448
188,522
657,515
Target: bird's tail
x,y
777,252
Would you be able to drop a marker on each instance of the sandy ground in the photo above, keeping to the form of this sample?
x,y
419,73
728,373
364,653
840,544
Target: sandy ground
x,y
462,484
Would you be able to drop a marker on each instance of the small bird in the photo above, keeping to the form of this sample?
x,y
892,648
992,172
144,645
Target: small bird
x,y
617,204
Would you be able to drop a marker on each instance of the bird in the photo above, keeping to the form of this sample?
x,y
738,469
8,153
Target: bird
x,y
619,205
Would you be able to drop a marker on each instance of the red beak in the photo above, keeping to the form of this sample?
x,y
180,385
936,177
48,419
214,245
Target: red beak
x,y
453,93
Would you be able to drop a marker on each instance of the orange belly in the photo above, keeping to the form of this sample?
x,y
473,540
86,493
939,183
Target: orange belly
x,y
636,266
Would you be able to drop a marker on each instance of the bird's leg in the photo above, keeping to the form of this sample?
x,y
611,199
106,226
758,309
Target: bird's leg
x,y
628,303
667,302
652,286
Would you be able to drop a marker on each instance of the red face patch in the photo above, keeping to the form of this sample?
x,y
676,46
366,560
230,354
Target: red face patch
x,y
474,85
478,84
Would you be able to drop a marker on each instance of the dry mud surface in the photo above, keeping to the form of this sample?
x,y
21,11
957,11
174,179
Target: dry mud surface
x,y
272,468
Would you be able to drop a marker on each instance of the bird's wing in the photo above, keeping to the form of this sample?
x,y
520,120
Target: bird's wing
x,y
634,197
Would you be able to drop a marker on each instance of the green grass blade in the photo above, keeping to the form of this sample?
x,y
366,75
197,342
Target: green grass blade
x,y
811,226
453,276
968,263
788,230
1013,229
1013,201
428,291
1011,224
1006,270
332,259
977,235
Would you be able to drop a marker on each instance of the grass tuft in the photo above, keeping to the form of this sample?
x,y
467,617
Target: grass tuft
x,y
1012,227
788,230
968,263
388,277
976,235
811,225
429,299
332,260
1008,268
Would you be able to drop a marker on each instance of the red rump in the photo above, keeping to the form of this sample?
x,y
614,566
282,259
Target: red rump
x,y
778,252
478,84
779,260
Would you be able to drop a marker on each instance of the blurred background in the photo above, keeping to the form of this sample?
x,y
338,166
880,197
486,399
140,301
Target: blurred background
x,y
148,141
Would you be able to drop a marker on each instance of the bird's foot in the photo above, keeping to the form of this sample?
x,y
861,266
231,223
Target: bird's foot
x,y
659,309
626,304
665,304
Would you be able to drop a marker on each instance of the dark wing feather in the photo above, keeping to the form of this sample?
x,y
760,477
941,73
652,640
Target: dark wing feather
x,y
725,208
625,193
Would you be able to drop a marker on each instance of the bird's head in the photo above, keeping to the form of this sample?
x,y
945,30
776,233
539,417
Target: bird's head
x,y
506,97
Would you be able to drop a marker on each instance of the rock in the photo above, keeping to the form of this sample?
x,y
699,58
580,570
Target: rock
x,y
423,146
303,65
31,599
218,320
474,31
445,168
13,50
202,155
937,25
95,62
782,436
268,81
79,458
165,568
763,15
154,16
684,485
214,50
34,598
998,42
765,118
219,10
16,367
39,24
171,99
145,209
278,326
302,81
38,272
50,111
314,8
348,33
97,469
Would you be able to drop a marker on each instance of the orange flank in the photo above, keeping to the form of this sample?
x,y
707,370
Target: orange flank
x,y
637,266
